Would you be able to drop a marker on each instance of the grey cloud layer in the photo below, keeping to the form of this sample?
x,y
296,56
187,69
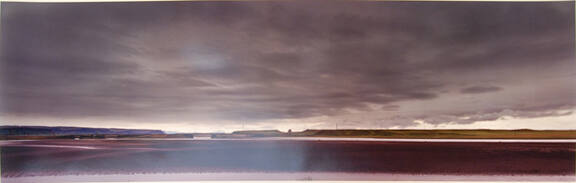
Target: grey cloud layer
x,y
289,60
480,89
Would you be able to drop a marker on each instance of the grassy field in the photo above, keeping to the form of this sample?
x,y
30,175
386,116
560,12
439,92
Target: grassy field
x,y
443,134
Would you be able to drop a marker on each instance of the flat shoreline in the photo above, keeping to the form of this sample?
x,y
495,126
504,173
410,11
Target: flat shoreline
x,y
403,140
332,176
325,139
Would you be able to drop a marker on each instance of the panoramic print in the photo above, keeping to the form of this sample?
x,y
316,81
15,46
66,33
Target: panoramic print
x,y
287,90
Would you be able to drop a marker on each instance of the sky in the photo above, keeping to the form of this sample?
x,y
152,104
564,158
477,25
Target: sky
x,y
225,66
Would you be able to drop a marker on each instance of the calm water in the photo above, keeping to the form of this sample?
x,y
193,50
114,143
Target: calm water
x,y
70,157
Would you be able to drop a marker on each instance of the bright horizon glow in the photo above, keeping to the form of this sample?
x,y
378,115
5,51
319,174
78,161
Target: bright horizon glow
x,y
506,123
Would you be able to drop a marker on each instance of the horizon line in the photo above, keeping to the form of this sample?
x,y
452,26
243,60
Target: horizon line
x,y
256,130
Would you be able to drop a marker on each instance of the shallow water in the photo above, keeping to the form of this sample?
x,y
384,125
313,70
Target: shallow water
x,y
292,156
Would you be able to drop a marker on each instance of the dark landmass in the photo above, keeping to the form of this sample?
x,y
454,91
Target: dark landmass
x,y
79,137
41,132
56,131
69,157
251,134
422,134
261,133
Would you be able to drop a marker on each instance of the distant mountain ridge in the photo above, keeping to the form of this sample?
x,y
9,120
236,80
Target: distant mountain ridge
x,y
62,130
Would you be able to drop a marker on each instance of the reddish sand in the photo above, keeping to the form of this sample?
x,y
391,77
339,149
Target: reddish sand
x,y
94,157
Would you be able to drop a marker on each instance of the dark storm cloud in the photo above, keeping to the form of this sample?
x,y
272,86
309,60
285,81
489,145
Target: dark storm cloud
x,y
495,114
480,89
275,60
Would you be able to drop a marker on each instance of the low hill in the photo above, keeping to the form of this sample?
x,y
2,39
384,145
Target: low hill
x,y
57,131
260,133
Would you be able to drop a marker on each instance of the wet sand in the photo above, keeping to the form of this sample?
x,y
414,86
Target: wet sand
x,y
288,160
